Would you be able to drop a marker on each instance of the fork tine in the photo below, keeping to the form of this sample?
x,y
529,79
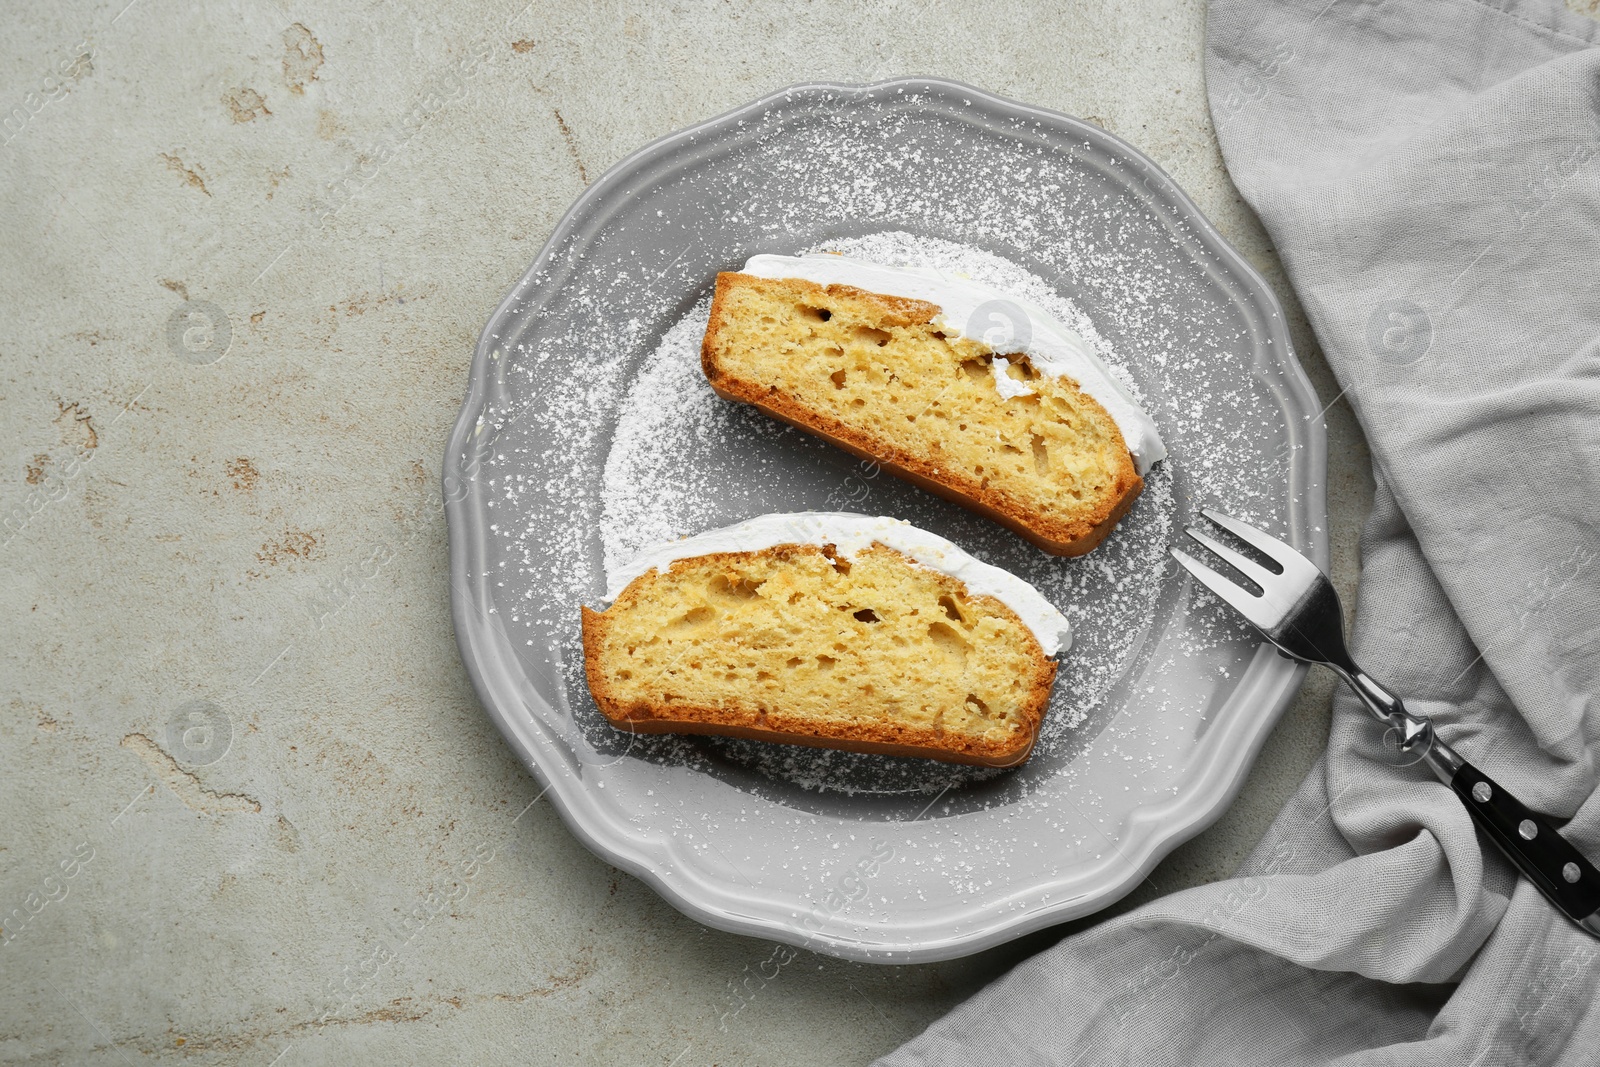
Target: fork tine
x,y
1240,599
1239,561
1293,563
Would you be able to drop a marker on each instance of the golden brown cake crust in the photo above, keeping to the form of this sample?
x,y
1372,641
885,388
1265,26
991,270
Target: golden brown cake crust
x,y
1058,538
774,724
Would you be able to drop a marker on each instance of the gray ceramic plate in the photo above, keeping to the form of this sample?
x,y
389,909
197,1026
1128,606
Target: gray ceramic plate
x,y
585,431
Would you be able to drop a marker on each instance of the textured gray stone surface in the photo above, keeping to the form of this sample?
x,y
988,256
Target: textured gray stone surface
x,y
252,811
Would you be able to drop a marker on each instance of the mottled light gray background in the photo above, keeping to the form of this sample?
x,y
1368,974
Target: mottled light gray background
x,y
252,813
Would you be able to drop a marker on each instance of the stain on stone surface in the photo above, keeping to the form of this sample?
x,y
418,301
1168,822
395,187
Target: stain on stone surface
x,y
328,125
572,145
523,46
285,838
356,769
81,423
35,470
581,969
302,57
275,178
293,545
397,293
176,287
81,65
239,1043
193,176
244,104
243,474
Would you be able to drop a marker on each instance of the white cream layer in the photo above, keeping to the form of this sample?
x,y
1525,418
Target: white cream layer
x,y
849,534
973,310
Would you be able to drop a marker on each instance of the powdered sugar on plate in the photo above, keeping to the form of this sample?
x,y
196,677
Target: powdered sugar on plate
x,y
682,460
643,446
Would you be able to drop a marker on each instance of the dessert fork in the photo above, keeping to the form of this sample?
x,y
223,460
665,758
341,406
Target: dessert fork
x,y
1298,611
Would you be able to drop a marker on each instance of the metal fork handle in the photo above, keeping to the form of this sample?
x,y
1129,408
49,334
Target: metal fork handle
x,y
1527,839
1416,731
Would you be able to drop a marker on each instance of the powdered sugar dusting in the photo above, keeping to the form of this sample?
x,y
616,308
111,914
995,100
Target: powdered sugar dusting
x,y
665,478
590,451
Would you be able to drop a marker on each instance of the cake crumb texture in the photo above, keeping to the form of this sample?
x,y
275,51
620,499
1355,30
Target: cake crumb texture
x,y
794,643
875,375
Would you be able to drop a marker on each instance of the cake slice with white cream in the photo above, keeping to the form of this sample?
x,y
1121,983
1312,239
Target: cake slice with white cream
x,y
827,629
976,395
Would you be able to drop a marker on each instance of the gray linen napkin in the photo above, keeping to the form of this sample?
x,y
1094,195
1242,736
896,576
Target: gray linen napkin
x,y
1428,171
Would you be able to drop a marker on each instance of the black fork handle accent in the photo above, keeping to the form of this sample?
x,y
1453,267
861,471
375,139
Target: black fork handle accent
x,y
1544,857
